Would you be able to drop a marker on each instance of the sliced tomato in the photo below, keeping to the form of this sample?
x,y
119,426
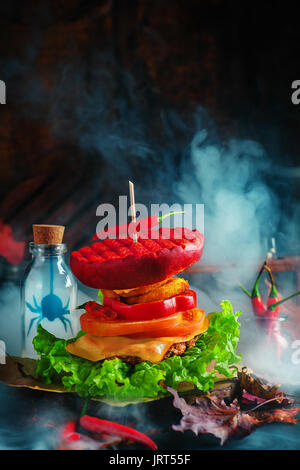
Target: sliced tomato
x,y
187,327
152,310
100,327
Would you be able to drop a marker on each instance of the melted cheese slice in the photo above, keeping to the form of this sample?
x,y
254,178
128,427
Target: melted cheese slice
x,y
97,348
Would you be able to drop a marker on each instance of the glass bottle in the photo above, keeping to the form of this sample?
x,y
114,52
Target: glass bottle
x,y
266,345
48,295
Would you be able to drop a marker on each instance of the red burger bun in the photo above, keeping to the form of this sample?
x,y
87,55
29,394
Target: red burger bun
x,y
125,264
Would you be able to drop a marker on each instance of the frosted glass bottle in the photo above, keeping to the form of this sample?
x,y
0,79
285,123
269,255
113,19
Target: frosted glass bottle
x,y
48,296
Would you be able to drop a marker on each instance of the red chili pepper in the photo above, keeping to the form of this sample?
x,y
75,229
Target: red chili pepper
x,y
72,440
274,305
116,231
273,301
152,310
147,223
150,222
101,426
273,296
69,432
269,314
258,307
142,225
256,300
100,310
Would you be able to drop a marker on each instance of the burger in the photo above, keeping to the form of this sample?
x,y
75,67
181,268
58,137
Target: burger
x,y
146,329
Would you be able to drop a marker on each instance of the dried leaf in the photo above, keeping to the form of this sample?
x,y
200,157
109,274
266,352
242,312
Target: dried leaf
x,y
256,385
227,390
257,390
280,398
20,372
279,415
211,415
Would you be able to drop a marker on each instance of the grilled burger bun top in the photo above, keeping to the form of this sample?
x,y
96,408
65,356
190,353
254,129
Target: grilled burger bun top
x,y
118,264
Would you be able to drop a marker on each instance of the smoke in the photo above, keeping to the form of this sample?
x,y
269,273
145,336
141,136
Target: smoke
x,y
241,212
27,424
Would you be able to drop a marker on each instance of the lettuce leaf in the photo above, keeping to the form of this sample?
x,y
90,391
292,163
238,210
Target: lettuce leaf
x,y
116,379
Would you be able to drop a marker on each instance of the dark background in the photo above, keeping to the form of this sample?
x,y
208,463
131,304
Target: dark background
x,y
99,92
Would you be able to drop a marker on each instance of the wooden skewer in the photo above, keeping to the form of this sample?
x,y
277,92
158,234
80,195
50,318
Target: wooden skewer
x,y
132,207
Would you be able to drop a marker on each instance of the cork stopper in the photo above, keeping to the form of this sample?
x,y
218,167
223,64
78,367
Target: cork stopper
x,y
48,234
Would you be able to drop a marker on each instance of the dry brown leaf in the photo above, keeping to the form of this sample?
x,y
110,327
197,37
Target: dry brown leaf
x,y
211,415
255,385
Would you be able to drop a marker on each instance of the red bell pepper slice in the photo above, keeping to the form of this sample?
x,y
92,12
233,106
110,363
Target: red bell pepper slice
x,y
152,310
100,310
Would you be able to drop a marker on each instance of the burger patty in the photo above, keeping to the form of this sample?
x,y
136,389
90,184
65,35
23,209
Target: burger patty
x,y
179,348
175,350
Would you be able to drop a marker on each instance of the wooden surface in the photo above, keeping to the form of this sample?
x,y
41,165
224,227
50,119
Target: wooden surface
x,y
278,265
283,264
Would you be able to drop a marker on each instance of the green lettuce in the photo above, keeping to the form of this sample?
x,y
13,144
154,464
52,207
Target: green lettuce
x,y
118,380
